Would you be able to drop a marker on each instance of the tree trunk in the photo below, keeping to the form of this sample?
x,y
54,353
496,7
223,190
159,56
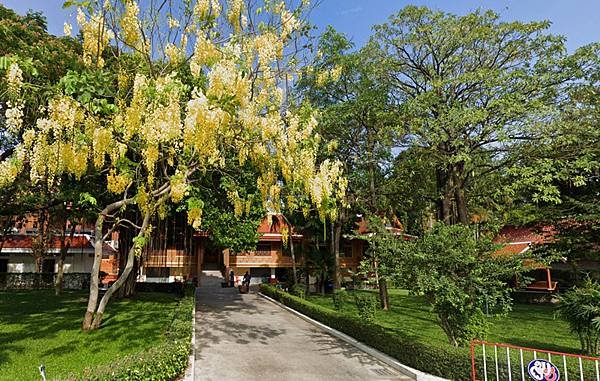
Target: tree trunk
x,y
384,297
122,278
291,238
335,236
448,330
294,271
64,248
461,206
95,274
462,215
125,243
128,288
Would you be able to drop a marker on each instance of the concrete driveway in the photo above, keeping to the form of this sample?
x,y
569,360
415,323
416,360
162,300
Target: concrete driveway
x,y
246,337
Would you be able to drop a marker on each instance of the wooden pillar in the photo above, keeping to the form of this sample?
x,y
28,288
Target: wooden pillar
x,y
226,260
549,278
199,256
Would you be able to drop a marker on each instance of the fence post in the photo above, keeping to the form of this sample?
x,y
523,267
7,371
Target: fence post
x,y
473,359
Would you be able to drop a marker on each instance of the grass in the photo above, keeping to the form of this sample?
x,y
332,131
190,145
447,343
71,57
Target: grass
x,y
37,327
527,325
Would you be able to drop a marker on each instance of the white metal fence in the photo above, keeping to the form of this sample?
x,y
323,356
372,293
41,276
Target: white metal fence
x,y
503,362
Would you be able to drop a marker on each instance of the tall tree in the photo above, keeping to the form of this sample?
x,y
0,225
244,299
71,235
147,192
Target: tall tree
x,y
355,122
166,115
475,93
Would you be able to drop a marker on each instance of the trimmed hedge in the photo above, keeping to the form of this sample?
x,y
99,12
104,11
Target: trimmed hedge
x,y
448,362
170,287
165,362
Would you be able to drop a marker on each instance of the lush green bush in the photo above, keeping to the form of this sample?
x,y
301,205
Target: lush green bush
x,y
164,362
458,273
298,290
366,306
448,362
580,307
339,297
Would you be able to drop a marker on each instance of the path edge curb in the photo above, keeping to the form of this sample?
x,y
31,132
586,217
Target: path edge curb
x,y
191,375
392,362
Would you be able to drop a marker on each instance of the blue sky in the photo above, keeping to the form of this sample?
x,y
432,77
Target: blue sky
x,y
578,20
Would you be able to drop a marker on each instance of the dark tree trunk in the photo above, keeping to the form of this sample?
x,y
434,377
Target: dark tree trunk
x,y
336,236
384,297
461,206
462,215
64,249
125,243
444,204
128,288
121,280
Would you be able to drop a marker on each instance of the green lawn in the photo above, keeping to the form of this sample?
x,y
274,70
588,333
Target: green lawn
x,y
38,327
526,325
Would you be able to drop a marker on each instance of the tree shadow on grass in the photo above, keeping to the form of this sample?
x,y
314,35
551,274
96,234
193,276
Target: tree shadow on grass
x,y
34,317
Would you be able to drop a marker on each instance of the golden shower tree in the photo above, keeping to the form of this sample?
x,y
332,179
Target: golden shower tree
x,y
185,88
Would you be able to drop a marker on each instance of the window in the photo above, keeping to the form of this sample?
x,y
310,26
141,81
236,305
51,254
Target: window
x,y
263,250
48,265
4,265
158,272
346,251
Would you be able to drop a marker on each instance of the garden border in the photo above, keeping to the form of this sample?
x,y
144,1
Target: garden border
x,y
191,375
404,369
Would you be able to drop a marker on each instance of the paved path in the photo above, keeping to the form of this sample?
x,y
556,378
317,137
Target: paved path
x,y
246,337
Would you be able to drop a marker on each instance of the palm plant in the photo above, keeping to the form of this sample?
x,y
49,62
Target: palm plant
x,y
580,307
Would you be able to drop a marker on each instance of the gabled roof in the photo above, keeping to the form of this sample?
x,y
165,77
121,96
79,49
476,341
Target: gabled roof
x,y
271,228
519,239
531,234
78,244
363,230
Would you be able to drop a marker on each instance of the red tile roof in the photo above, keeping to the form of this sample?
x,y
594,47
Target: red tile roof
x,y
25,242
512,249
540,234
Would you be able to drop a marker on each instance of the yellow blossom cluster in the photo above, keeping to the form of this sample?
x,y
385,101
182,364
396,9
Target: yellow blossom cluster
x,y
10,169
194,216
289,24
14,78
328,184
163,129
204,8
14,116
269,47
235,15
178,187
67,29
237,202
205,54
14,111
117,182
129,24
173,53
285,234
96,37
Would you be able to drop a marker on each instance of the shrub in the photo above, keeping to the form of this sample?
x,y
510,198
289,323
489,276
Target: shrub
x,y
580,307
339,297
448,362
164,362
457,273
366,306
298,290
